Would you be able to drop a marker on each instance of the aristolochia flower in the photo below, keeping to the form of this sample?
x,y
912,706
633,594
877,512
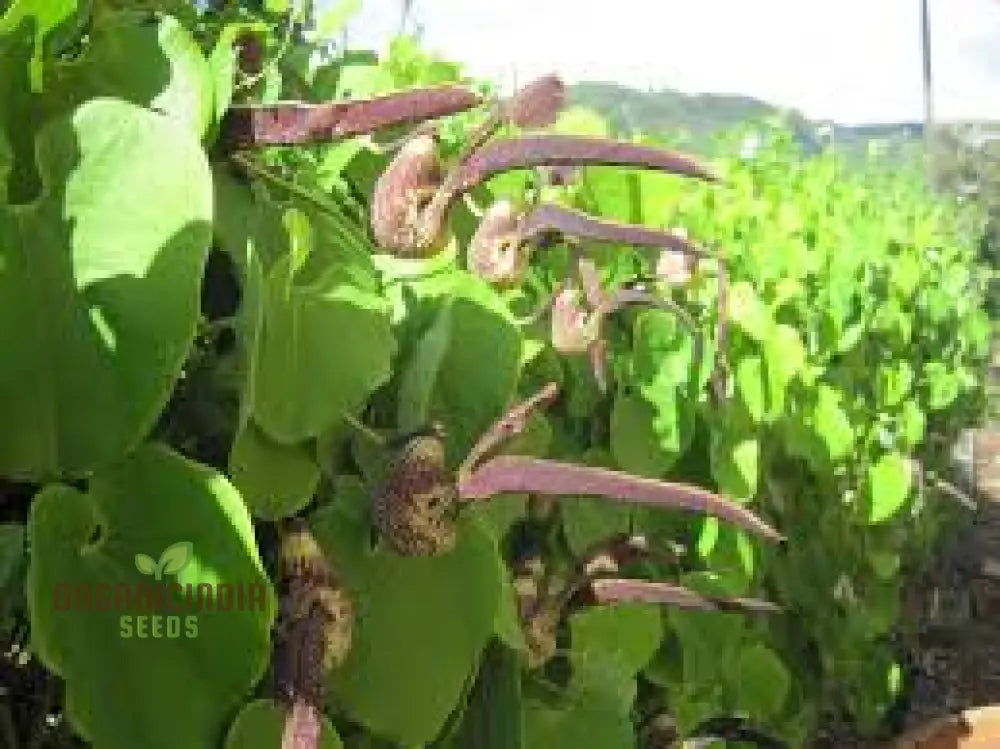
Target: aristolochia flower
x,y
496,252
575,328
415,509
673,265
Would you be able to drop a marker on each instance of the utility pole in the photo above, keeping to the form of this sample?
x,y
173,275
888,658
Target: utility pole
x,y
925,33
405,7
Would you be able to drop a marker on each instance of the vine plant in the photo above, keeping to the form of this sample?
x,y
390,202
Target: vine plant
x,y
421,371
415,509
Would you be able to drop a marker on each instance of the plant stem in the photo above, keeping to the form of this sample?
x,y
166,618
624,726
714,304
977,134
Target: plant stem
x,y
512,423
364,430
321,203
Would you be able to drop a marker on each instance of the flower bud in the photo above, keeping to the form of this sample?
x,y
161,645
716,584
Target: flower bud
x,y
316,619
538,103
673,265
401,193
415,509
574,327
540,629
337,618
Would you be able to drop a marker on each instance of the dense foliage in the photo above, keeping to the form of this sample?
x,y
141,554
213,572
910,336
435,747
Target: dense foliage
x,y
190,338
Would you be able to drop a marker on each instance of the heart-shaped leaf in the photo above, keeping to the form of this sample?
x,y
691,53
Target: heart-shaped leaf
x,y
276,480
173,77
87,622
889,482
593,712
464,367
629,633
113,252
324,348
760,681
422,621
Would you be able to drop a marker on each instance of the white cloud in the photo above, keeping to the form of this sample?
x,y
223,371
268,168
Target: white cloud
x,y
860,62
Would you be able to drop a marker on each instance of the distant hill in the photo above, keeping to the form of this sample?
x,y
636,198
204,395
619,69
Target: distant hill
x,y
702,115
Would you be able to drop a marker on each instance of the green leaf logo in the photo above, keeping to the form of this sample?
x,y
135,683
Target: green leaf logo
x,y
145,564
173,559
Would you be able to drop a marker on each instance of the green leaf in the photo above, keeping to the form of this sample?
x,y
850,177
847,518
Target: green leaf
x,y
912,424
760,682
260,724
114,253
21,117
416,388
708,537
784,360
831,424
423,622
362,79
47,15
943,385
175,558
324,348
222,67
735,456
628,633
244,230
634,444
889,482
729,554
748,312
977,328
464,368
507,625
299,230
43,18
204,673
663,352
276,480
895,679
664,366
894,383
875,686
750,385
492,719
690,706
155,64
498,515
885,564
612,194
905,275
709,640
591,714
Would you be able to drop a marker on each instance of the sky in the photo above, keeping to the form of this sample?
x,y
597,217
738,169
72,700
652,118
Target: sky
x,y
857,63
